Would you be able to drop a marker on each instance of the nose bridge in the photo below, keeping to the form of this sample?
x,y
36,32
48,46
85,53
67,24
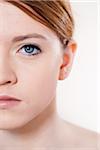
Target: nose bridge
x,y
4,64
7,74
4,58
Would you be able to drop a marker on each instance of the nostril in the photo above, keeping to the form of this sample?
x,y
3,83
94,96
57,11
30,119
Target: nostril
x,y
9,82
4,83
6,78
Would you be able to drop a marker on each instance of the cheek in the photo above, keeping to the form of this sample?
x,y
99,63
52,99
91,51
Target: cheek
x,y
38,81
37,87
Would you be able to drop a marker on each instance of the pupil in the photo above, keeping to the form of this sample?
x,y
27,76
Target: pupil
x,y
29,49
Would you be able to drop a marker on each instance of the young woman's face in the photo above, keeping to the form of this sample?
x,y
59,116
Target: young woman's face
x,y
29,68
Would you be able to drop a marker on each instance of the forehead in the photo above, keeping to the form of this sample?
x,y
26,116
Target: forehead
x,y
14,21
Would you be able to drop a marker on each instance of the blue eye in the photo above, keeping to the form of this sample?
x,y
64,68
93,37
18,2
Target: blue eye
x,y
30,49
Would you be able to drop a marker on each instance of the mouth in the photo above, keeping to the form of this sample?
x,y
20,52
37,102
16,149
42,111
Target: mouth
x,y
7,102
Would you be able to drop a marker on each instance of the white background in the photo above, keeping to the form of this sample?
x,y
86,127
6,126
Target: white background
x,y
77,95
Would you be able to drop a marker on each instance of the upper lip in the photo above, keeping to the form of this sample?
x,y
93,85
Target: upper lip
x,y
6,97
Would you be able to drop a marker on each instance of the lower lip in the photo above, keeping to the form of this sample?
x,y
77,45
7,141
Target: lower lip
x,y
6,104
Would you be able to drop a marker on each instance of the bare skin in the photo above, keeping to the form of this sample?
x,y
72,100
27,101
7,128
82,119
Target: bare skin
x,y
35,124
49,131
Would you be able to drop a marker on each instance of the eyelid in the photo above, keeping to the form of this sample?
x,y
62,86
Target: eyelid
x,y
38,48
30,43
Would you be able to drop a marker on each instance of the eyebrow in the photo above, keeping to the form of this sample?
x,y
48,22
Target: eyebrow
x,y
23,37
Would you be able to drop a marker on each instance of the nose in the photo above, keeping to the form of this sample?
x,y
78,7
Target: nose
x,y
7,75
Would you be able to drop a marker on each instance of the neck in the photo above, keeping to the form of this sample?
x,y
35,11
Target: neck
x,y
37,131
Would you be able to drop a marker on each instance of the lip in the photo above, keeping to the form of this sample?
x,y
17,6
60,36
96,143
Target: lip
x,y
8,98
7,102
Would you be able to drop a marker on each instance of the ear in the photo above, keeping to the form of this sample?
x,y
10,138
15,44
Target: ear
x,y
68,57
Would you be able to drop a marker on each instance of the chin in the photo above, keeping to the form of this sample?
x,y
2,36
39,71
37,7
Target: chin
x,y
11,125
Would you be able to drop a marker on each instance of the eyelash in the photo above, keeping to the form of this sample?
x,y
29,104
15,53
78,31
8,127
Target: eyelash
x,y
34,46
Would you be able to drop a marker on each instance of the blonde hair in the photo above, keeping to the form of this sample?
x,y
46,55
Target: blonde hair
x,y
55,14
